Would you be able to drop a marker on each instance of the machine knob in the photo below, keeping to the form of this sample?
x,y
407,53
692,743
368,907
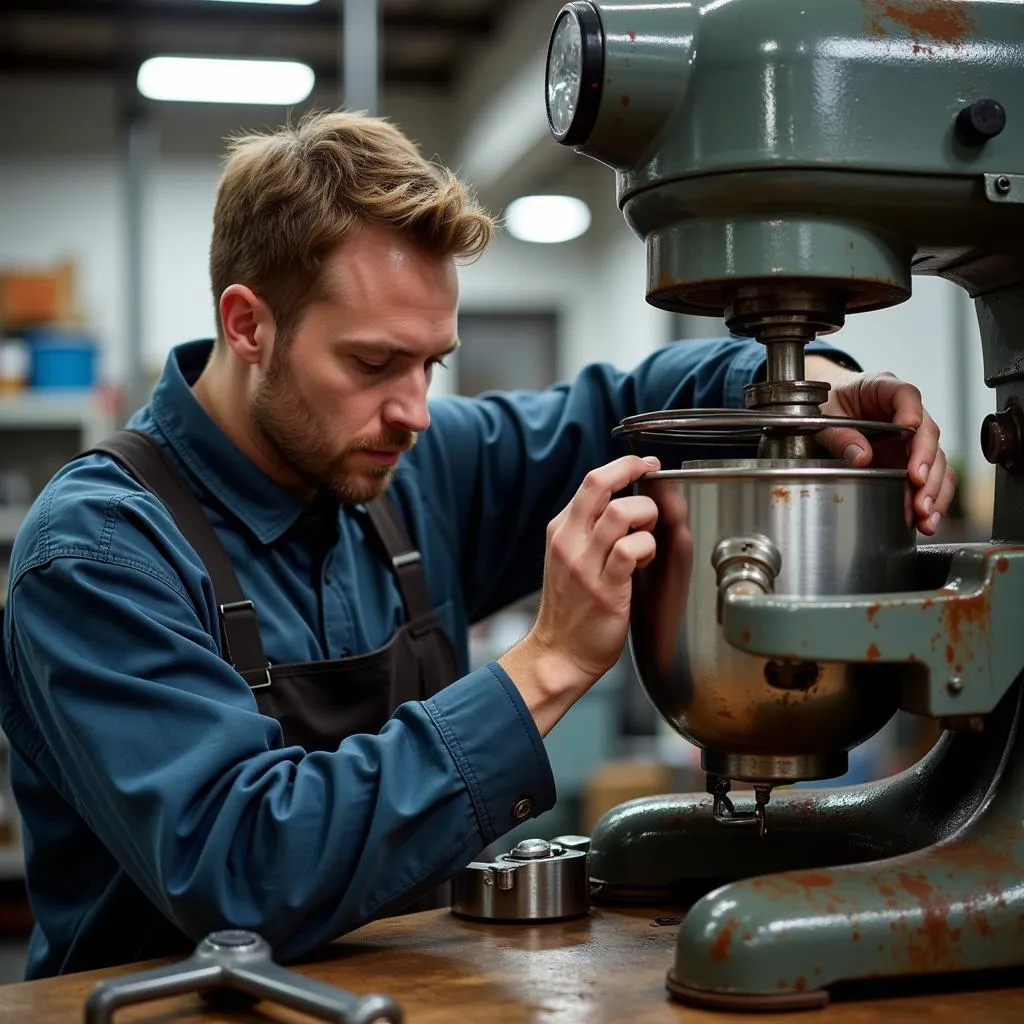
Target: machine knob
x,y
1002,434
980,121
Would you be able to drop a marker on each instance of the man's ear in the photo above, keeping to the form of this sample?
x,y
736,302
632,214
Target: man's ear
x,y
246,323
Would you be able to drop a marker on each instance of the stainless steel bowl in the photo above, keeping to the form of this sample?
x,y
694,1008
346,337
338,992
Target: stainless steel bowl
x,y
838,530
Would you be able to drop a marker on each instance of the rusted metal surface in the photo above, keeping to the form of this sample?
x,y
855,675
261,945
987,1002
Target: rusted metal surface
x,y
961,635
926,21
952,907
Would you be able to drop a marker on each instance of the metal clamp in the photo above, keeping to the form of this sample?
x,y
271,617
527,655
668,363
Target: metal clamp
x,y
536,881
723,811
959,645
239,965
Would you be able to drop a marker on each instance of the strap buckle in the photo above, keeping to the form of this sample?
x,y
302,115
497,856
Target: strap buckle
x,y
237,606
245,607
405,558
266,680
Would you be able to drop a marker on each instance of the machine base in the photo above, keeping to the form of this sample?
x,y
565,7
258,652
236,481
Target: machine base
x,y
916,875
745,1003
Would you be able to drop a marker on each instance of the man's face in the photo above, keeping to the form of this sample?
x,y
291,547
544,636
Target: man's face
x,y
347,394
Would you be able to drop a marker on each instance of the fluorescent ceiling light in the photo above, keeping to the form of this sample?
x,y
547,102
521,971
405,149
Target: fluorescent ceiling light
x,y
206,80
547,218
280,3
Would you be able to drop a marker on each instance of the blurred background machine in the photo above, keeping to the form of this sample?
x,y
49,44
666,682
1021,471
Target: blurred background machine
x,y
788,164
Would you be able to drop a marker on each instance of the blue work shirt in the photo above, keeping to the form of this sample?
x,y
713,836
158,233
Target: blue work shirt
x,y
157,803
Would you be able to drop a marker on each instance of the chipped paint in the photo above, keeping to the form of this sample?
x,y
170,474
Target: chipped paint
x,y
812,880
926,21
782,494
964,621
873,653
720,949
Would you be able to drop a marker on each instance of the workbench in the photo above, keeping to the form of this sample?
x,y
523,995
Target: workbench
x,y
607,967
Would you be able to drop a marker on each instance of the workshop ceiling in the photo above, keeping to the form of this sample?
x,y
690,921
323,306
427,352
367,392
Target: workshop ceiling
x,y
424,42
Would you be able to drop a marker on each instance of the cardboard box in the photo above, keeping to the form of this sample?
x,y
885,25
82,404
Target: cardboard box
x,y
30,296
615,782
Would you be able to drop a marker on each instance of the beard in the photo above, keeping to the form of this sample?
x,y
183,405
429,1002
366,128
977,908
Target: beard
x,y
300,439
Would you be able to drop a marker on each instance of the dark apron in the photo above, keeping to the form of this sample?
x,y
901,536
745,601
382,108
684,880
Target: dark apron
x,y
318,703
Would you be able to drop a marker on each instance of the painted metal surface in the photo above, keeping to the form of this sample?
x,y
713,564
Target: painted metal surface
x,y
817,145
954,906
960,644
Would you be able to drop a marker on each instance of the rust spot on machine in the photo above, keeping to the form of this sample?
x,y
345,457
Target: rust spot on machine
x,y
720,949
873,653
781,494
930,946
873,610
964,614
927,21
813,880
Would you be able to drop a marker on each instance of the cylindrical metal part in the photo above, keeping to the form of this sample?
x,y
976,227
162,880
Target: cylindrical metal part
x,y
527,884
785,360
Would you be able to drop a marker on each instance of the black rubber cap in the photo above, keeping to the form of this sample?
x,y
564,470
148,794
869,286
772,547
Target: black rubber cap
x,y
982,120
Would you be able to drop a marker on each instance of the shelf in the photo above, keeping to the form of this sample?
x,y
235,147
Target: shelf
x,y
54,409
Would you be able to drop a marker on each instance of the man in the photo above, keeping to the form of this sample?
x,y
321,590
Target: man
x,y
185,760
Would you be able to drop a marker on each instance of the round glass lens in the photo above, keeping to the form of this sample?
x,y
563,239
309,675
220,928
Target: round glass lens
x,y
564,71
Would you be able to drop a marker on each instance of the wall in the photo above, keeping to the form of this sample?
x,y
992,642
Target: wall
x,y
62,193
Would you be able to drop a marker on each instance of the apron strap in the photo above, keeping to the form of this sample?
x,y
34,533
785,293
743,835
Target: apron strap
x,y
405,559
141,456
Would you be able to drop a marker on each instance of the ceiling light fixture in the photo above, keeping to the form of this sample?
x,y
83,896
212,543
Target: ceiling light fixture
x,y
547,219
209,80
280,3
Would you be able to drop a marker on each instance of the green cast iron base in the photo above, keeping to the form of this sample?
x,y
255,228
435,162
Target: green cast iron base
x,y
925,875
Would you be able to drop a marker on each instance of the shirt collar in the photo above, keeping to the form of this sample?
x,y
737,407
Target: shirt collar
x,y
259,502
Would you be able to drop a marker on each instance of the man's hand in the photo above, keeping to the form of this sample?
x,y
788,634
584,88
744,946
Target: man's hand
x,y
593,546
881,396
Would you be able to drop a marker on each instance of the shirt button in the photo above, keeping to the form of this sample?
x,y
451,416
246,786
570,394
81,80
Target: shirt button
x,y
523,809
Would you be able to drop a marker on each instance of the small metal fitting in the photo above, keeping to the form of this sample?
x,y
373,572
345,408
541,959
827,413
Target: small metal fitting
x,y
745,565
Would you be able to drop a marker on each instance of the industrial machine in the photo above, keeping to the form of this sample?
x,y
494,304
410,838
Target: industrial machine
x,y
787,164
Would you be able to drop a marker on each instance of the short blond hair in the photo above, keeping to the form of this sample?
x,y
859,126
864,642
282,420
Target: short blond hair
x,y
288,198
